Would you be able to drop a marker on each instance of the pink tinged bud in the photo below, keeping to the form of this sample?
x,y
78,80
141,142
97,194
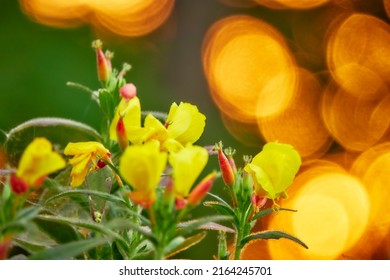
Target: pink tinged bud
x,y
258,201
226,168
200,191
18,186
128,91
180,203
232,163
121,134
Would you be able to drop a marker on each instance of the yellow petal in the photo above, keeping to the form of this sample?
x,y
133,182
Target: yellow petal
x,y
85,154
39,160
185,123
187,164
131,110
142,166
86,148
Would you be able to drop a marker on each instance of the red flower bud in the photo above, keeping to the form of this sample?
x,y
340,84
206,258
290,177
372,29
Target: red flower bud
x,y
201,189
226,168
121,134
258,201
180,203
18,186
103,65
128,91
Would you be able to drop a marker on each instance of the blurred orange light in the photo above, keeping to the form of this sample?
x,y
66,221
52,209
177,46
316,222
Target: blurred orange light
x,y
333,212
359,57
248,67
373,167
356,124
291,4
300,124
58,13
122,17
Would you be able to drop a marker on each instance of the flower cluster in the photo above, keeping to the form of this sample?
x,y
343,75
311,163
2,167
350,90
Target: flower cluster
x,y
153,167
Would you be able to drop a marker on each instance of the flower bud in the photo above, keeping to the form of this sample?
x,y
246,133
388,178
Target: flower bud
x,y
180,203
201,189
258,201
103,65
226,168
18,185
121,134
128,91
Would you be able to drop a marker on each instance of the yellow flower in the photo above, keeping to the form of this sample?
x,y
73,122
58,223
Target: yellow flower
x,y
273,169
38,160
187,164
141,167
153,130
185,123
130,111
85,158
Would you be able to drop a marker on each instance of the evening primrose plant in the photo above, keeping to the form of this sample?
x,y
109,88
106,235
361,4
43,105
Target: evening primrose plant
x,y
129,190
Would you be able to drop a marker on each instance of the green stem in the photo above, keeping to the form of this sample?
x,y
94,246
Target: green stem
x,y
238,247
85,89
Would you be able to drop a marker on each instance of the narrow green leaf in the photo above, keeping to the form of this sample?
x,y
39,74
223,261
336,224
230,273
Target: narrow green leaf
x,y
218,227
220,207
86,224
189,226
124,224
173,244
69,250
28,213
271,234
59,231
103,195
57,130
183,244
219,199
269,211
29,246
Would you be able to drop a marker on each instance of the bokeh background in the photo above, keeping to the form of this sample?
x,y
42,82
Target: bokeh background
x,y
312,73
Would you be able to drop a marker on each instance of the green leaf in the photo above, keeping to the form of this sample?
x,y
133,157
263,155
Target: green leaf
x,y
189,226
181,244
271,234
218,227
59,231
28,213
69,250
122,224
103,195
29,246
220,207
85,224
57,130
173,244
106,100
269,211
219,199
